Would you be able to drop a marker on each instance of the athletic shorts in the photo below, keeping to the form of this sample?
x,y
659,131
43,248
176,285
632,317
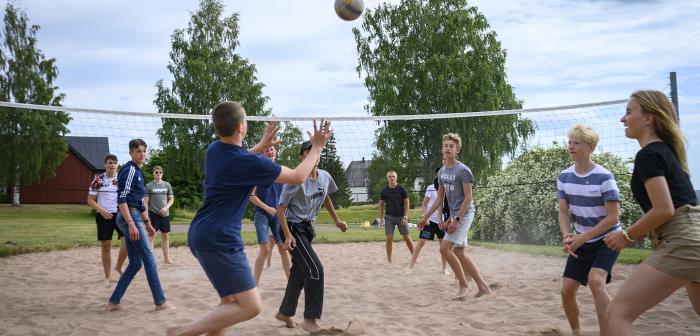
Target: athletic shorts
x,y
590,255
677,245
430,231
459,237
391,221
158,222
106,227
264,221
227,270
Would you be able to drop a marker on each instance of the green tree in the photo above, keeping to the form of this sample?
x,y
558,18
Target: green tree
x,y
520,204
288,151
32,143
330,162
438,56
206,70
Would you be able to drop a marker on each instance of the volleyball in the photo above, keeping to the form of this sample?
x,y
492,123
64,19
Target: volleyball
x,y
349,10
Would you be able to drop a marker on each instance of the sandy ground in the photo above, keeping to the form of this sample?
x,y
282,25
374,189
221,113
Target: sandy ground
x,y
62,293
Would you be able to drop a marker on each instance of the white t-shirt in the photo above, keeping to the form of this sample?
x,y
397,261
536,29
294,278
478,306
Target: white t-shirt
x,y
105,189
432,196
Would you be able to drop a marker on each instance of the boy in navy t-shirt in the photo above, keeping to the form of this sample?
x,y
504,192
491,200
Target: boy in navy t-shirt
x,y
230,173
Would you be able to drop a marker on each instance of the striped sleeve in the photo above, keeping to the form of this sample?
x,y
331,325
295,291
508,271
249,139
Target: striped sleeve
x,y
609,189
125,180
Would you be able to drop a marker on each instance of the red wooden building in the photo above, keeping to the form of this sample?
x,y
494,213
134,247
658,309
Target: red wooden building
x,y
84,159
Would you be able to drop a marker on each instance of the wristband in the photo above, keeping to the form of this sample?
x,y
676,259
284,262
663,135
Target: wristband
x,y
627,236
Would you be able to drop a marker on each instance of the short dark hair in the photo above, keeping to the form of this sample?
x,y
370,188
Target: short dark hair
x,y
136,143
226,117
306,145
111,157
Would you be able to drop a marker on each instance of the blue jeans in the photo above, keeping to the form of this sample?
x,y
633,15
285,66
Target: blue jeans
x,y
140,253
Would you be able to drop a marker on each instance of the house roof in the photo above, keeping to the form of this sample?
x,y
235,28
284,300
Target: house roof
x,y
357,173
90,150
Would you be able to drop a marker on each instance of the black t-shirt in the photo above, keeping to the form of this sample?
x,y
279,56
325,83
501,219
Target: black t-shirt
x,y
658,159
393,200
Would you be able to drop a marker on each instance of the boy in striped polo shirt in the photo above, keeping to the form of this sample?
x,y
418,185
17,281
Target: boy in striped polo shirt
x,y
588,198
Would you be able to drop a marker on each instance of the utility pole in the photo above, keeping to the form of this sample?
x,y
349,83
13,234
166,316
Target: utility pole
x,y
674,93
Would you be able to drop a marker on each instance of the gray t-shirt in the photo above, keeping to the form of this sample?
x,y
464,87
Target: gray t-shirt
x,y
303,201
158,196
453,179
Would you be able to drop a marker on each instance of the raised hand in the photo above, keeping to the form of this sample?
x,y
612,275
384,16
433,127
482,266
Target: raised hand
x,y
321,134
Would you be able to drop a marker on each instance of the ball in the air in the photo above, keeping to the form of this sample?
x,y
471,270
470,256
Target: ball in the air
x,y
349,10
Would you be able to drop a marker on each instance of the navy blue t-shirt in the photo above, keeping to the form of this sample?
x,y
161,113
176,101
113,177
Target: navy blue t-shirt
x,y
230,173
268,194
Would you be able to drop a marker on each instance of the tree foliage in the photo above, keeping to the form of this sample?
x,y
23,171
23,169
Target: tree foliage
x,y
330,162
288,151
32,143
520,204
438,56
206,70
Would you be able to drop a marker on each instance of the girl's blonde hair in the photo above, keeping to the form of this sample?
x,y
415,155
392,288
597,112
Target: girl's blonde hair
x,y
666,125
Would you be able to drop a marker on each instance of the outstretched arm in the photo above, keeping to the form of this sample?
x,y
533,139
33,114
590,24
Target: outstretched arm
x,y
301,172
268,138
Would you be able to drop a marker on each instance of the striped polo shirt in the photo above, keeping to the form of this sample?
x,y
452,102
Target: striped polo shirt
x,y
586,196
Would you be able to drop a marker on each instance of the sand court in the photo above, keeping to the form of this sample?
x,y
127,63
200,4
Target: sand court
x,y
62,293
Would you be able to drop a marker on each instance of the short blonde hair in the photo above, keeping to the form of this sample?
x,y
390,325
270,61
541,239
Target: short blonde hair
x,y
584,133
391,172
454,137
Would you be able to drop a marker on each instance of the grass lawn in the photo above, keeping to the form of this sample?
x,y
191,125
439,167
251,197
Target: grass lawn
x,y
33,228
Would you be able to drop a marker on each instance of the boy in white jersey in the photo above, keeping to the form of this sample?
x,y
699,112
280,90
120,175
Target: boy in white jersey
x,y
588,197
103,198
434,227
456,181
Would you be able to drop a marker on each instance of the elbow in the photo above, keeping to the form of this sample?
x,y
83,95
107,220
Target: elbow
x,y
667,213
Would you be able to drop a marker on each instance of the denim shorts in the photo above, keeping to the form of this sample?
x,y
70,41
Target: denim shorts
x,y
264,221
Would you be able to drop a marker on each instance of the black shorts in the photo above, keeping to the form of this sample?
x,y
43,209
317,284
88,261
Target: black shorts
x,y
430,231
159,223
106,227
595,254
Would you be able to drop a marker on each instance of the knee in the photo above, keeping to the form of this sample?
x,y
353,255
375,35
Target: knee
x,y
568,292
389,238
444,250
596,284
616,312
264,248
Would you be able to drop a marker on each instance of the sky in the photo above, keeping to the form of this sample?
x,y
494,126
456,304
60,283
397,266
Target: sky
x,y
559,52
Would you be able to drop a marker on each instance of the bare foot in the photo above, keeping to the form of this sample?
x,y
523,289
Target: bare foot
x,y
408,270
461,294
112,307
311,326
482,292
118,270
576,332
446,271
286,319
165,305
168,262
